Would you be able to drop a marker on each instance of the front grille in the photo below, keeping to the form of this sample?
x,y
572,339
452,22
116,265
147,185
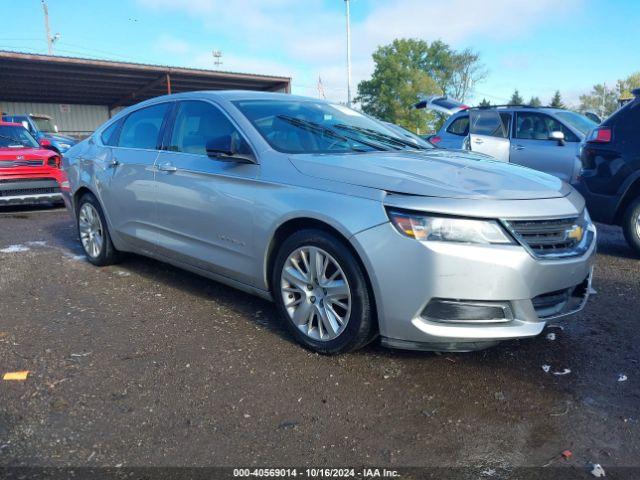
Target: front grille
x,y
20,163
21,187
29,191
553,238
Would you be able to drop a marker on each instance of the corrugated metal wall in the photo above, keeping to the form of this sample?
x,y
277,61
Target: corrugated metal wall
x,y
78,120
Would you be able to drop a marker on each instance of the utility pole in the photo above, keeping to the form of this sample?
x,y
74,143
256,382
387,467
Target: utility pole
x,y
46,27
348,54
50,40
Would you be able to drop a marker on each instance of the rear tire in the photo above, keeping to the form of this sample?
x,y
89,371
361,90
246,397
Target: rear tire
x,y
631,225
328,308
94,232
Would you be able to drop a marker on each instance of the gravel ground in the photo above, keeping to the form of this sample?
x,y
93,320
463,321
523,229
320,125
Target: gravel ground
x,y
142,364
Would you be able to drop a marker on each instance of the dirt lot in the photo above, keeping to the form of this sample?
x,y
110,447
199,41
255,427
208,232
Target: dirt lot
x,y
143,364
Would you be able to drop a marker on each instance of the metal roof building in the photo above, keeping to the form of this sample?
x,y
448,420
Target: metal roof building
x,y
80,94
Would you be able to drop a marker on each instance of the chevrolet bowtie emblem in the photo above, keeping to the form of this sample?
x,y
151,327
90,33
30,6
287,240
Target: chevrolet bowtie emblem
x,y
575,233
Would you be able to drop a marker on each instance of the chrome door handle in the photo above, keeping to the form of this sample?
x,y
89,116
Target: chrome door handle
x,y
167,167
479,141
518,147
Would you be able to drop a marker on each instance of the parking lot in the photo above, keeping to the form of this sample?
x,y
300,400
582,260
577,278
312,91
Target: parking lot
x,y
143,364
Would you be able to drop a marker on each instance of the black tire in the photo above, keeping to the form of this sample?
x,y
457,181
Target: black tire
x,y
361,327
631,225
107,255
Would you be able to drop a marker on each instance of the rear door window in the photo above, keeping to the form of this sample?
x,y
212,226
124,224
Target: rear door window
x,y
141,129
460,126
109,136
489,123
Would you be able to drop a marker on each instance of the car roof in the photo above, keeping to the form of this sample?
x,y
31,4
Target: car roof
x,y
233,95
514,108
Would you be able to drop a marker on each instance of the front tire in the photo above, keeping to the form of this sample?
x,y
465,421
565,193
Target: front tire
x,y
94,232
321,293
631,225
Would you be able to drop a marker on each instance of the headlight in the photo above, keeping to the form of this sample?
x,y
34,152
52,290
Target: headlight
x,y
426,227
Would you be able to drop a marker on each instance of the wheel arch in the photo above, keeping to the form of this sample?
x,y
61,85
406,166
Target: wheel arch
x,y
630,194
290,226
78,194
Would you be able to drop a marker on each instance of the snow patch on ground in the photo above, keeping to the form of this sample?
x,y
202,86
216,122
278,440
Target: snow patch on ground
x,y
14,249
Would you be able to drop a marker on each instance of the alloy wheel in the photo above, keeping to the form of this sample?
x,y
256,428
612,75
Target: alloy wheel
x,y
315,293
91,230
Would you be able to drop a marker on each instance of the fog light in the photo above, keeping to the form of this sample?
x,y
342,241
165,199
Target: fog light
x,y
465,311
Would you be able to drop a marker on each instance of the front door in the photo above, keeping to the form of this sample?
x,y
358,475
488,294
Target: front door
x,y
129,199
532,147
205,205
489,133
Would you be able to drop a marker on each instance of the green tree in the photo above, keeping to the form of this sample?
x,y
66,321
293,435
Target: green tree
x,y
601,100
484,103
604,100
535,102
627,85
556,100
516,99
408,69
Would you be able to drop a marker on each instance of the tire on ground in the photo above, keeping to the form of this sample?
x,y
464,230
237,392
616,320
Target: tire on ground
x,y
108,254
361,326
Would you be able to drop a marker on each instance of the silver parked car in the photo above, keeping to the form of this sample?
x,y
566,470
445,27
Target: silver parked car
x,y
542,138
355,232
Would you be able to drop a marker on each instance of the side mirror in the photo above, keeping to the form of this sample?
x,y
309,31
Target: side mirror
x,y
226,148
557,136
45,143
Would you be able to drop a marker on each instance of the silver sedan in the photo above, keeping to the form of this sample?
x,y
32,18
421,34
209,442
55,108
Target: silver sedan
x,y
354,231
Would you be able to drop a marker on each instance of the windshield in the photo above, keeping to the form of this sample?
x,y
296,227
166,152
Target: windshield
x,y
44,124
16,137
296,126
409,134
577,121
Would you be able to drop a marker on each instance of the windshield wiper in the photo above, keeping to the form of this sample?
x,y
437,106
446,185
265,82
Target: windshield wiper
x,y
314,127
379,136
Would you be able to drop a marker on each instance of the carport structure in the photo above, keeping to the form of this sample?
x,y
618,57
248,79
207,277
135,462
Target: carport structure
x,y
36,82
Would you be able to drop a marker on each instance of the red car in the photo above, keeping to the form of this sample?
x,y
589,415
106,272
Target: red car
x,y
29,173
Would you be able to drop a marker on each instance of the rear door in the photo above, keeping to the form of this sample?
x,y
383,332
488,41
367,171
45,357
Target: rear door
x,y
489,133
129,199
531,146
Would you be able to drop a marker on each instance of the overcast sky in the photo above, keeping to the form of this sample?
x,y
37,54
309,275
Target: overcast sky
x,y
537,46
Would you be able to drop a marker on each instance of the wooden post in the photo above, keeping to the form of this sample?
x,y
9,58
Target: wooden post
x,y
168,84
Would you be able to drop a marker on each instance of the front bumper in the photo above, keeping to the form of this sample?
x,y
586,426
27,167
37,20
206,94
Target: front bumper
x,y
407,275
29,191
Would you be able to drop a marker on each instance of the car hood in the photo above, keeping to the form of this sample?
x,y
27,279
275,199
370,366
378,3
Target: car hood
x,y
61,138
24,153
433,173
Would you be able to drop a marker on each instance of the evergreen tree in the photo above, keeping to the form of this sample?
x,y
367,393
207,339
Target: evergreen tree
x,y
516,99
535,102
556,101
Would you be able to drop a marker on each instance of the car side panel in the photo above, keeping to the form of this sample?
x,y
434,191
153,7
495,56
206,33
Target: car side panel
x,y
450,140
